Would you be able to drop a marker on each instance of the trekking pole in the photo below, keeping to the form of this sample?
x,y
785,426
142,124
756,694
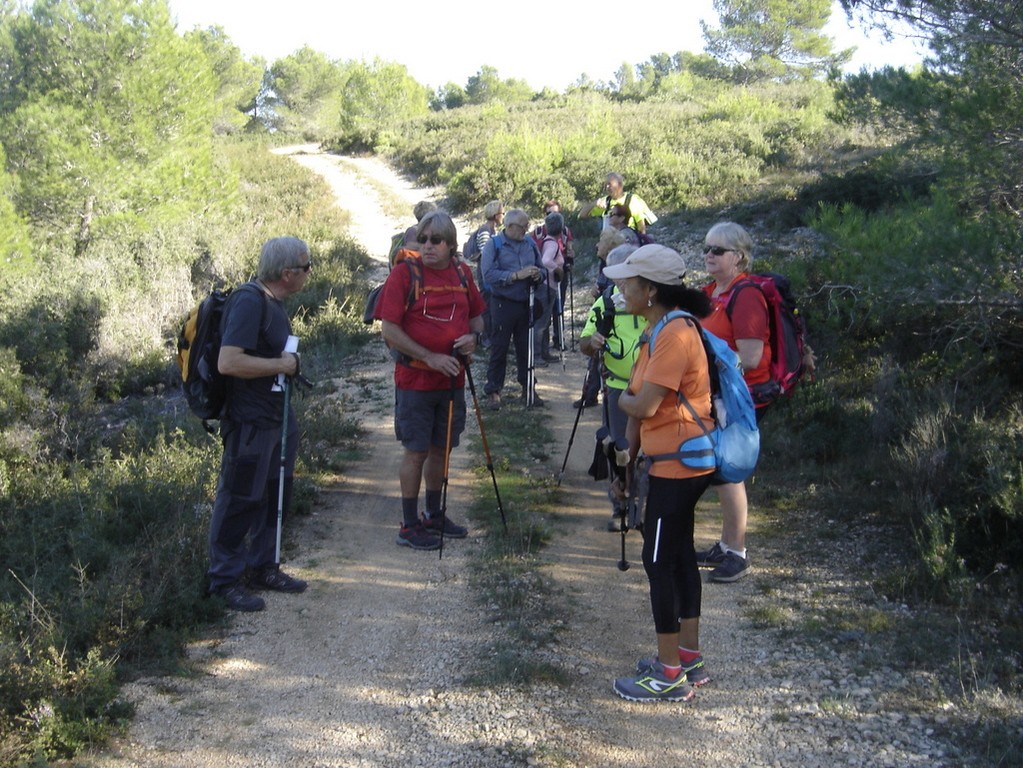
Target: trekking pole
x,y
622,454
483,439
447,467
575,426
529,354
284,457
571,308
561,329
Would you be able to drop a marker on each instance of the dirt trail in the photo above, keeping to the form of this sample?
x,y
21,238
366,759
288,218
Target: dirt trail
x,y
367,667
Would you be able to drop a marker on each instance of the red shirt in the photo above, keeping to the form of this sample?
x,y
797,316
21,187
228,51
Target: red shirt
x,y
435,319
750,320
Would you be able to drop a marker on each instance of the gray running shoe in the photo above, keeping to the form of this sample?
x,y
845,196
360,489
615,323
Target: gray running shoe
x,y
710,558
653,685
451,529
695,671
731,569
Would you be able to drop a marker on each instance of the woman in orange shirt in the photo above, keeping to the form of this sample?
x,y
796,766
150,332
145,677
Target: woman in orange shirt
x,y
651,280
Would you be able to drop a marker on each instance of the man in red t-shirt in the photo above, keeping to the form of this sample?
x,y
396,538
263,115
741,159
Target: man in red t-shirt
x,y
429,328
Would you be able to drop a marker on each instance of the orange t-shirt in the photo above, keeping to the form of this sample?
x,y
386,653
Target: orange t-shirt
x,y
750,320
680,364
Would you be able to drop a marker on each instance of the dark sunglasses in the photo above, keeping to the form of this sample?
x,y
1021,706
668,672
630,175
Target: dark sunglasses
x,y
717,250
434,239
303,267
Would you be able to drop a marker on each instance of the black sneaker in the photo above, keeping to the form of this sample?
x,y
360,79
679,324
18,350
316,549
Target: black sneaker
x,y
732,568
710,558
238,598
584,402
451,530
273,578
538,402
417,536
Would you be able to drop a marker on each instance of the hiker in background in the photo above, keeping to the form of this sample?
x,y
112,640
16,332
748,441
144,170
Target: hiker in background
x,y
473,249
619,219
614,188
243,529
610,239
728,257
568,250
511,265
617,350
553,258
651,282
429,336
406,241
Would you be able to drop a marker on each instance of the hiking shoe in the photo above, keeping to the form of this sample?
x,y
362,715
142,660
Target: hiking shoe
x,y
732,568
695,671
615,524
417,537
585,402
538,401
451,530
275,579
494,401
238,598
710,558
653,685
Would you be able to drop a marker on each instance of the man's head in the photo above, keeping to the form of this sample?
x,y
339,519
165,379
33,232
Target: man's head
x,y
285,262
422,208
516,222
494,211
615,184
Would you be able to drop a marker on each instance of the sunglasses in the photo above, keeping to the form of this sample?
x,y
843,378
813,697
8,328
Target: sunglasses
x,y
434,239
717,250
303,267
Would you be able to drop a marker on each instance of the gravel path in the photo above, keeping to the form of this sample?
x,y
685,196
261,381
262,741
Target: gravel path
x,y
367,668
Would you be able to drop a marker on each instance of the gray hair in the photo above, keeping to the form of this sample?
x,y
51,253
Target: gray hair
x,y
422,208
555,223
516,216
439,223
735,238
621,253
279,254
491,209
617,177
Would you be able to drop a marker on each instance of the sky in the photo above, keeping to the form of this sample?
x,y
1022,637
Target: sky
x,y
548,44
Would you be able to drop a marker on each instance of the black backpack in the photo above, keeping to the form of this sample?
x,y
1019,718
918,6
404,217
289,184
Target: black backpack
x,y
198,349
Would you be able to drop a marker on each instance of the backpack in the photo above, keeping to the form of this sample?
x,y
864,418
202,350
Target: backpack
x,y
199,339
416,289
397,243
732,447
470,248
788,334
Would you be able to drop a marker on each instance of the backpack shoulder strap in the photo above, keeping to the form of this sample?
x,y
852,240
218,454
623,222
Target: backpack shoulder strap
x,y
415,289
736,289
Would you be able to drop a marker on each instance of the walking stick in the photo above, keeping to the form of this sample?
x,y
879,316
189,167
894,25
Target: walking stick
x,y
571,307
483,439
575,426
447,466
284,457
561,329
622,451
530,382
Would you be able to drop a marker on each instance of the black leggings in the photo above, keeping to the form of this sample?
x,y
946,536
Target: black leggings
x,y
668,554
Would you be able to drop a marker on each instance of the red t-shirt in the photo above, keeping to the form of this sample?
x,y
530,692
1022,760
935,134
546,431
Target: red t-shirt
x,y
749,320
435,319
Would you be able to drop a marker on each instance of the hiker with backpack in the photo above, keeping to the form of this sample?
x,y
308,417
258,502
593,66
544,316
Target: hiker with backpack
x,y
404,242
552,256
567,243
473,249
255,330
615,194
611,337
513,269
432,315
742,318
619,220
651,280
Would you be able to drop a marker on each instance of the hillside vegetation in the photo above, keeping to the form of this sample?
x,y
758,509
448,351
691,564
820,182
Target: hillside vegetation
x,y
136,176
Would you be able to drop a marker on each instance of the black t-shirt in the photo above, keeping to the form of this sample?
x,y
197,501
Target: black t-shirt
x,y
259,325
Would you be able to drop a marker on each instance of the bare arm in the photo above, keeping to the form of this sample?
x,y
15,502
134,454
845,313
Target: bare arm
x,y
233,361
751,352
395,335
643,404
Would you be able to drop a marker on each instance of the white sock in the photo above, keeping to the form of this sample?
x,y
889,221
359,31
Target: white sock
x,y
740,552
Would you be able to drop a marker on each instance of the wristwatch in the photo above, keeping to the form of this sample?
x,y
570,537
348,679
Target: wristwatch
x,y
479,338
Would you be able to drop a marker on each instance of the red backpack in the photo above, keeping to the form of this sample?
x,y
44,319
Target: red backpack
x,y
788,334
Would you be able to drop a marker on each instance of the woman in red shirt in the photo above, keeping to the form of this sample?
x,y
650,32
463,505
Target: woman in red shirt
x,y
728,256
